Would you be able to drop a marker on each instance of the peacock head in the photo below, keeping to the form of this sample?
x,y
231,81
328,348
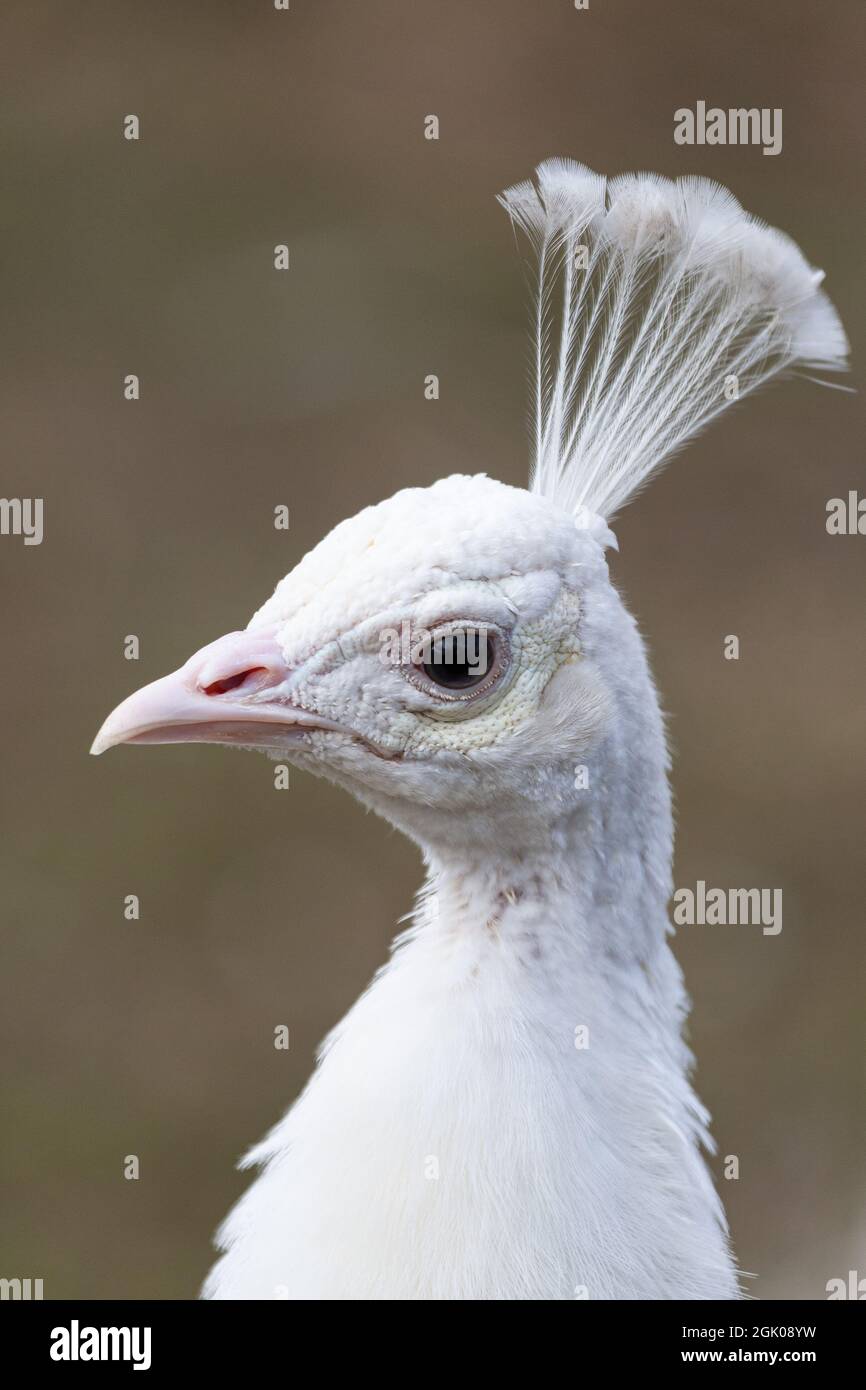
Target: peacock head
x,y
430,655
454,654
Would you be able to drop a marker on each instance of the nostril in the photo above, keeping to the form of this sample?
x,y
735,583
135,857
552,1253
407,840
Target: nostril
x,y
222,687
243,664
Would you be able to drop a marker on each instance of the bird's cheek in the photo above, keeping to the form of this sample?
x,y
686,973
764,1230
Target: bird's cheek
x,y
363,696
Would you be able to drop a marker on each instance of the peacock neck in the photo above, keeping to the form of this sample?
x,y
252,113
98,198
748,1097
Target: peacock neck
x,y
511,1092
597,871
572,924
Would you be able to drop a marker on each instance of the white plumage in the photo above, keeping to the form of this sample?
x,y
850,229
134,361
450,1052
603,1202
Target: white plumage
x,y
506,1112
686,302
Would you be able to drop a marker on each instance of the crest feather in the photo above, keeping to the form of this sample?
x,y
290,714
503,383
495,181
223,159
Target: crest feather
x,y
658,303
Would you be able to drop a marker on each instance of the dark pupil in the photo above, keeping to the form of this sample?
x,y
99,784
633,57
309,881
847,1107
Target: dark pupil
x,y
460,661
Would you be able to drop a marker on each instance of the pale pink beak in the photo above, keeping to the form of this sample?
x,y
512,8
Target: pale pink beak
x,y
232,691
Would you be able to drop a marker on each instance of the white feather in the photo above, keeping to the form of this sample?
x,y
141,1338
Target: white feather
x,y
652,295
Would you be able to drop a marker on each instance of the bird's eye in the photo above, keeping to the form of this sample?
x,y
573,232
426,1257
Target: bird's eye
x,y
461,663
458,663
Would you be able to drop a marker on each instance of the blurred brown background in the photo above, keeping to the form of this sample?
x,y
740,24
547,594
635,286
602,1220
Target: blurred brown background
x,y
305,388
